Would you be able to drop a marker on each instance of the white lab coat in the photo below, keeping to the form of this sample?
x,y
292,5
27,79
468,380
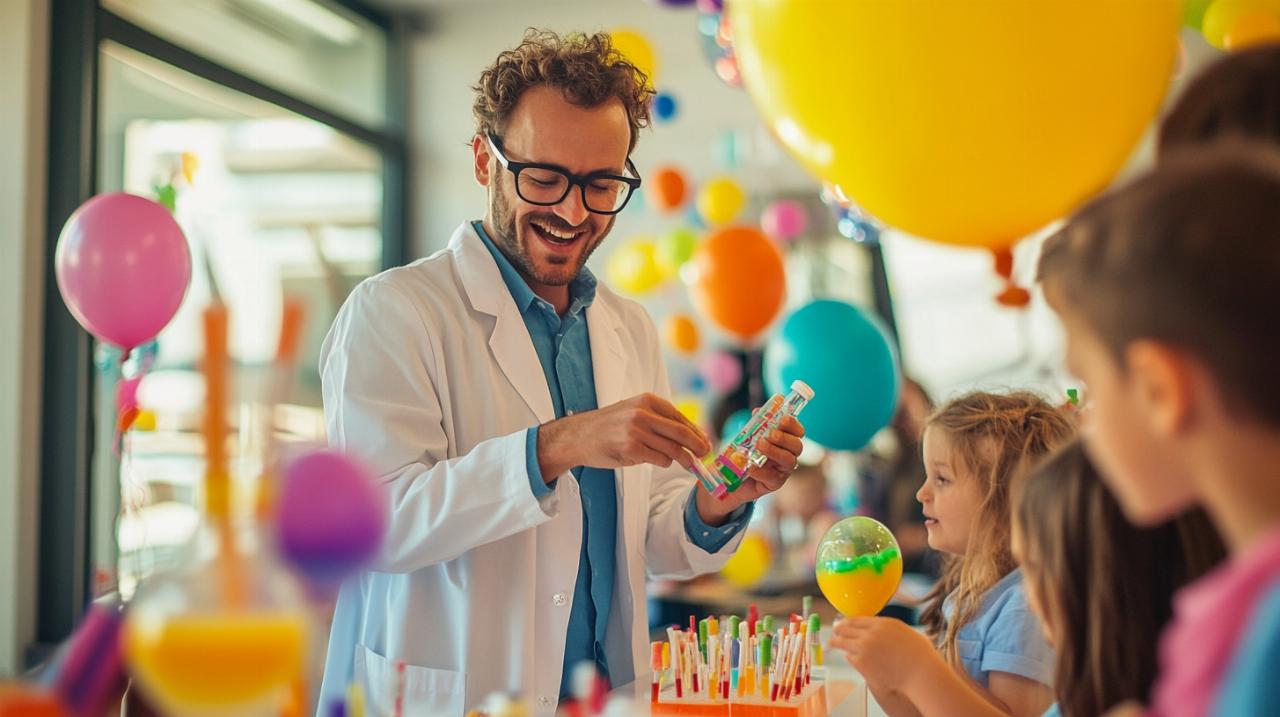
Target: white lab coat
x,y
430,376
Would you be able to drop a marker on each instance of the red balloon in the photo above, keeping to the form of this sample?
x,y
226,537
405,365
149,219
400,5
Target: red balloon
x,y
666,190
739,281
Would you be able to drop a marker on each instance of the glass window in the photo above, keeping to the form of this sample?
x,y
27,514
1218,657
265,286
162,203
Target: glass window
x,y
315,50
274,205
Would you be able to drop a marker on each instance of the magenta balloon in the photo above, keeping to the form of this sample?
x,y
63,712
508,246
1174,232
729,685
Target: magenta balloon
x,y
784,219
721,370
123,267
331,517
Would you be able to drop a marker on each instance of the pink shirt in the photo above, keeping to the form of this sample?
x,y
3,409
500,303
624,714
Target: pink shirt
x,y
1208,618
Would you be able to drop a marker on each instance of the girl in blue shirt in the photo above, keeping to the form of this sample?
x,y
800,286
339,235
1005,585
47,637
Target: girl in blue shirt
x,y
984,653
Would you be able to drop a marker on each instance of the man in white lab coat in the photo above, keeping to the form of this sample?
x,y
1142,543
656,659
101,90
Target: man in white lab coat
x,y
516,412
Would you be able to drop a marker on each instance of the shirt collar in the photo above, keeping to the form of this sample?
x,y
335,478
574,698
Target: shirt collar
x,y
582,290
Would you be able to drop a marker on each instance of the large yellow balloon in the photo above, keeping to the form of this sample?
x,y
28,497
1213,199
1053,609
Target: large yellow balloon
x,y
965,122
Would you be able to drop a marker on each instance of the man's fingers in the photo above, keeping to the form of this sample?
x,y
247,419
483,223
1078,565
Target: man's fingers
x,y
786,441
792,426
681,432
784,459
664,408
668,448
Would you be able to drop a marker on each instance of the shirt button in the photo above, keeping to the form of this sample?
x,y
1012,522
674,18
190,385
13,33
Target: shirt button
x,y
569,412
546,701
560,599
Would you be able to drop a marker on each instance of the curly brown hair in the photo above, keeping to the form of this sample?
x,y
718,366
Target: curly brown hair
x,y
587,69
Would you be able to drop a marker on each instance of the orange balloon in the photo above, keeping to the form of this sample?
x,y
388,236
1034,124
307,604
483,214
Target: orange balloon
x,y
1255,28
666,189
682,334
739,282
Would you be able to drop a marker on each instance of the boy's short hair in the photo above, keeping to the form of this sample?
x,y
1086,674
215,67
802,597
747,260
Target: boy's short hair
x,y
1188,255
1236,97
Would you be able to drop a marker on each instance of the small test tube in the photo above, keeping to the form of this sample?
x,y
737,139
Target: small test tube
x,y
815,640
740,455
655,664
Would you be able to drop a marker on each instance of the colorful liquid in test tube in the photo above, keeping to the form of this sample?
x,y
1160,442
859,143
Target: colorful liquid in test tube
x,y
741,454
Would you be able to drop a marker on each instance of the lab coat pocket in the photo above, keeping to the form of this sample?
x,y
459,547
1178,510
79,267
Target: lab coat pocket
x,y
427,692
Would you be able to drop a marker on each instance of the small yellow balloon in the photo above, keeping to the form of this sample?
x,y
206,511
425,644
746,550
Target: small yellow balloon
x,y
637,50
682,334
1256,28
690,409
720,201
971,123
634,268
750,563
1223,17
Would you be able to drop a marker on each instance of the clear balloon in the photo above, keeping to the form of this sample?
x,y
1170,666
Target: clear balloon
x,y
859,566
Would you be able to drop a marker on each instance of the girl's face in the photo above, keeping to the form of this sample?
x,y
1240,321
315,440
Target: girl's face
x,y
951,495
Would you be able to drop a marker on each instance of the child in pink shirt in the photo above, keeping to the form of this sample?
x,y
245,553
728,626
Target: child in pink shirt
x,y
1168,292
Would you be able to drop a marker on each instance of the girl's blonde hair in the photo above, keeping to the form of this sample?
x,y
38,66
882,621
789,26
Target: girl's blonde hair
x,y
995,438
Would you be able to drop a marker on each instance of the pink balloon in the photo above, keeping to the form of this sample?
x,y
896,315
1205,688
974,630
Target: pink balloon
x,y
123,267
784,220
721,370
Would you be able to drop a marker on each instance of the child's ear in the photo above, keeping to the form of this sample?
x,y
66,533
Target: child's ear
x,y
1160,379
480,150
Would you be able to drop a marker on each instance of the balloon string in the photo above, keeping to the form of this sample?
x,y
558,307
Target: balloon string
x,y
1013,295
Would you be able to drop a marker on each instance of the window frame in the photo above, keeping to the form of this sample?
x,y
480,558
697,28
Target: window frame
x,y
77,33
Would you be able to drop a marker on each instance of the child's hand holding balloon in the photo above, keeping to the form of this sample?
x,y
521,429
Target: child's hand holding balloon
x,y
887,652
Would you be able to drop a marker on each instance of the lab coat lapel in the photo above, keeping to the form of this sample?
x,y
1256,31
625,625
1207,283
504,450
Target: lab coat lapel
x,y
510,343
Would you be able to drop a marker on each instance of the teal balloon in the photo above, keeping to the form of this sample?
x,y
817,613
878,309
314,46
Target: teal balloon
x,y
845,355
734,423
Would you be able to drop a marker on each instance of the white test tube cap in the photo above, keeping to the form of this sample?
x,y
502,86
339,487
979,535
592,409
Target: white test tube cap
x,y
803,389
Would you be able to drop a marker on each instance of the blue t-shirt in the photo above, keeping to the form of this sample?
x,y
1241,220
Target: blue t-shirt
x,y
1004,636
1250,686
1053,711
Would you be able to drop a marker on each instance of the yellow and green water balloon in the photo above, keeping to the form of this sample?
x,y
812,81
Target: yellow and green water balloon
x,y
859,565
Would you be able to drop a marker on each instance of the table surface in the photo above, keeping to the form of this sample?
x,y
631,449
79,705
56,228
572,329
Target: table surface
x,y
858,703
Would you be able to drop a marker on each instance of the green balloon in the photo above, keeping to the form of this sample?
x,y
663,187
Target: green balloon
x,y
1193,13
676,247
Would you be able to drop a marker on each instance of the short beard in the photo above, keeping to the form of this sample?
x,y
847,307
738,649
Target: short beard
x,y
508,240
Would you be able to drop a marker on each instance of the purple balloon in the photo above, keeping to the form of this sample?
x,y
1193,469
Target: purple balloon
x,y
330,518
123,267
784,220
722,370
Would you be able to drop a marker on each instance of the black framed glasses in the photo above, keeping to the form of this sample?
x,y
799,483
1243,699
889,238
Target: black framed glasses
x,y
547,184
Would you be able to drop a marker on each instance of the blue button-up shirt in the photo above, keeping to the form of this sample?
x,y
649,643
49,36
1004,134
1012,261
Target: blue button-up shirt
x,y
564,349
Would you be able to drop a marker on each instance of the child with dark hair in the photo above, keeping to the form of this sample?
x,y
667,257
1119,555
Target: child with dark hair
x,y
1103,588
1167,290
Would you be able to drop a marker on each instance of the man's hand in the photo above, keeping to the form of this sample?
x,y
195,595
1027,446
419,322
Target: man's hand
x,y
642,429
782,448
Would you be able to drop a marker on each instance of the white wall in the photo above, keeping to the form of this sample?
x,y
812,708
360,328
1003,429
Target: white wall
x,y
23,102
463,38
